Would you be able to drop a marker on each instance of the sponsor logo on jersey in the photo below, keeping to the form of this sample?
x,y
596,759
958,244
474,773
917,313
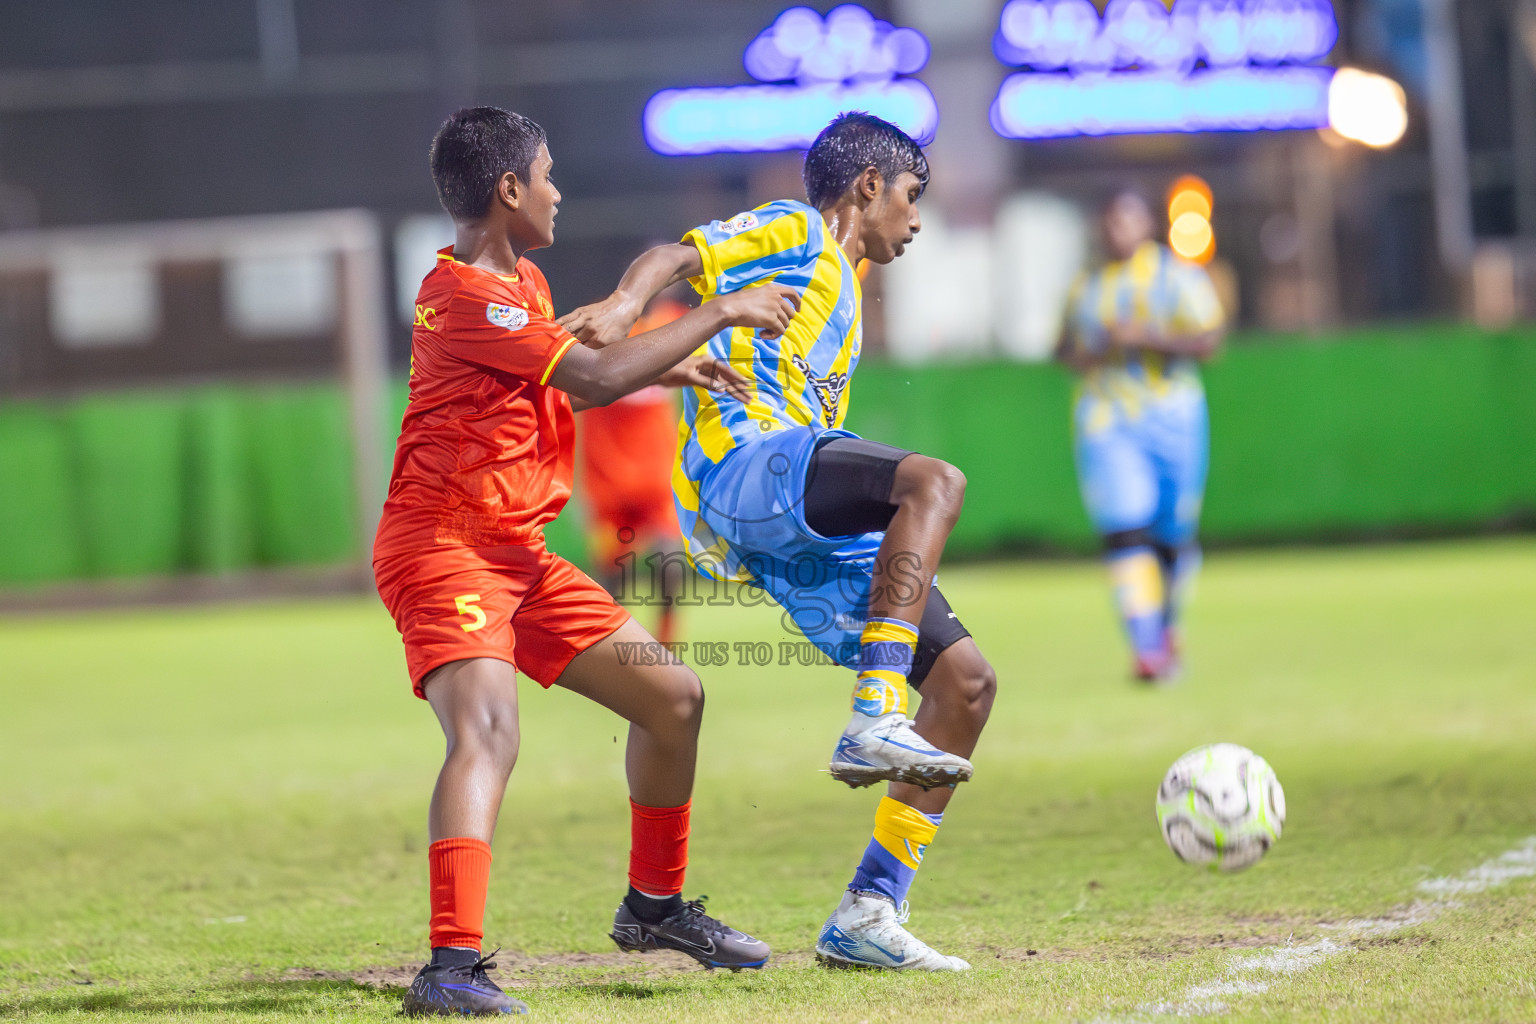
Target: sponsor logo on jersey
x,y
739,223
510,317
829,389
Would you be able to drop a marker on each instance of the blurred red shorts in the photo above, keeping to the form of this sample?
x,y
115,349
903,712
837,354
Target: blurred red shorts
x,y
640,528
527,606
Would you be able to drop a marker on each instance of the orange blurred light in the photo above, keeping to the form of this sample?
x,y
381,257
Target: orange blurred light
x,y
1189,194
1189,219
1192,238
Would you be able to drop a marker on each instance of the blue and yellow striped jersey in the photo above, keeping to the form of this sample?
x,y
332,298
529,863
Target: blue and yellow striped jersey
x,y
799,379
1154,289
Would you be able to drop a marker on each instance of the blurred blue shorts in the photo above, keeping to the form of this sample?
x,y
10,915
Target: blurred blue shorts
x,y
1144,468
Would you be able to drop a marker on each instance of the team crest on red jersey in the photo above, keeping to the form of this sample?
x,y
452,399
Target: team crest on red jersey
x,y
509,317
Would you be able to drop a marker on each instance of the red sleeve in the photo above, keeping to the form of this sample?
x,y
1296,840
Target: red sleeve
x,y
499,332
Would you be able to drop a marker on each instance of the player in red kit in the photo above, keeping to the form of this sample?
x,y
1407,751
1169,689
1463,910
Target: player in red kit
x,y
483,463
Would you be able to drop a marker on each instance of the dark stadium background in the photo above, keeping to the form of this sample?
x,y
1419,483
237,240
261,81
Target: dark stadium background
x,y
1373,409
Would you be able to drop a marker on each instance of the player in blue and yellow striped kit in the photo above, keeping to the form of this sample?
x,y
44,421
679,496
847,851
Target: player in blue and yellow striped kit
x,y
844,533
1136,330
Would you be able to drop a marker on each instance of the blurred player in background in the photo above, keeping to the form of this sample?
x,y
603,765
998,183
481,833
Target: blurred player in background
x,y
627,450
483,463
1136,331
844,533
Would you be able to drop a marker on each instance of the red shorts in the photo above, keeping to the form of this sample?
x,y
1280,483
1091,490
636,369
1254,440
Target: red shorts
x,y
523,605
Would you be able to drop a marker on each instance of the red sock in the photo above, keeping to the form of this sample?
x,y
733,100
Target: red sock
x,y
460,871
658,848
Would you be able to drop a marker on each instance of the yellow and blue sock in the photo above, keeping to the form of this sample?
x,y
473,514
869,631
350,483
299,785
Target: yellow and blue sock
x,y
895,851
1138,581
886,647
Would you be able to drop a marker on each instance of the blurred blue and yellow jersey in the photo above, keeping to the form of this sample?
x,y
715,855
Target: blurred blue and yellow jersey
x,y
799,380
1154,289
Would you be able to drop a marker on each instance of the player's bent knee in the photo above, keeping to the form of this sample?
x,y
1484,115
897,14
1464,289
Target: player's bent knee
x,y
951,483
690,702
932,482
976,687
476,703
981,690
491,730
971,684
683,706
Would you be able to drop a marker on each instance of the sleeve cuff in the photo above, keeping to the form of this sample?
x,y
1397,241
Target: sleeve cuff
x,y
555,361
707,282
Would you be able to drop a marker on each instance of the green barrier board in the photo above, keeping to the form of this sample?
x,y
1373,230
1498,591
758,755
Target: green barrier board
x,y
1369,433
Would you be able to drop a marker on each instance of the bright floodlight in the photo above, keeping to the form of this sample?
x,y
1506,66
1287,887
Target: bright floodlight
x,y
1367,108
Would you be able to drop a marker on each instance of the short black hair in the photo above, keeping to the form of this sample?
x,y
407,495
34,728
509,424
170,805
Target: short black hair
x,y
473,149
850,145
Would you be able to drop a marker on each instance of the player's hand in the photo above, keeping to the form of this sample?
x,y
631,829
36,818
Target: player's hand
x,y
1205,346
1129,336
1077,360
768,309
708,373
604,322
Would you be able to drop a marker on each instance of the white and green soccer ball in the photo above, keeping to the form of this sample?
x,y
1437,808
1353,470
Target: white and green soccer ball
x,y
1221,806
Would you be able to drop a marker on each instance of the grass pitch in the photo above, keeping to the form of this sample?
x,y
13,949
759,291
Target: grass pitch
x,y
220,813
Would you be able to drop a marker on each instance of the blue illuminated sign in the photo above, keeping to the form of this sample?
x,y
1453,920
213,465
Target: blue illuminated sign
x,y
1230,99
1205,65
816,69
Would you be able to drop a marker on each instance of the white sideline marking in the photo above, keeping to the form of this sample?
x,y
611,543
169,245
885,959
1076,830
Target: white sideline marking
x,y
1278,962
1517,863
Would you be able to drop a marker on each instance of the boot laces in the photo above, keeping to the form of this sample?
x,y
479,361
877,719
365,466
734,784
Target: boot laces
x,y
694,914
476,970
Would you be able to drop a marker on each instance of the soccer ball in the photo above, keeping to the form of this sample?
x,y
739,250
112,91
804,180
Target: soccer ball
x,y
1221,806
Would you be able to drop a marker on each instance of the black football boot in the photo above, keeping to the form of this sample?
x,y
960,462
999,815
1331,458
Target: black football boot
x,y
452,990
712,943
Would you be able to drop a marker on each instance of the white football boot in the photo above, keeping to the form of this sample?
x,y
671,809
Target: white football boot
x,y
885,748
866,931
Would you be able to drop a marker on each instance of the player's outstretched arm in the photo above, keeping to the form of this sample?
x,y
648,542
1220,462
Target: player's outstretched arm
x,y
696,371
599,376
609,320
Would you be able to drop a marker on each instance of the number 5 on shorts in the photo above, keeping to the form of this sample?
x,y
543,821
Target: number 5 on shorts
x,y
466,606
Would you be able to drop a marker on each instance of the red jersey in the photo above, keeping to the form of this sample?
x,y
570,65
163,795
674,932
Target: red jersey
x,y
485,451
